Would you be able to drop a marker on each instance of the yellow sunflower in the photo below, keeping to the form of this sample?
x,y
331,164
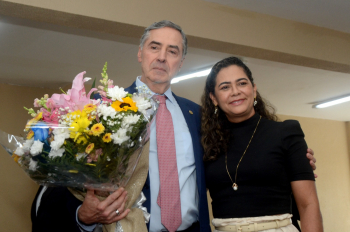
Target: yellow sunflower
x,y
89,148
107,138
127,104
97,129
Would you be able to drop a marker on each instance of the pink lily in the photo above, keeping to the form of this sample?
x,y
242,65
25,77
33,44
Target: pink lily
x,y
76,97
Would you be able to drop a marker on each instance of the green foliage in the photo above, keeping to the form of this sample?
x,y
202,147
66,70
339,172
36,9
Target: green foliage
x,y
93,86
104,72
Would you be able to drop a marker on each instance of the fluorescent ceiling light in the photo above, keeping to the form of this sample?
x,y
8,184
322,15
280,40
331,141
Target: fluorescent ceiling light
x,y
192,75
332,102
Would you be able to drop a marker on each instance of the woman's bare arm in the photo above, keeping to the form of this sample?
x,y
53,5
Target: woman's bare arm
x,y
305,195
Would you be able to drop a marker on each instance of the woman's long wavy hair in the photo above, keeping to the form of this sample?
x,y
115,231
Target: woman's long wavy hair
x,y
215,132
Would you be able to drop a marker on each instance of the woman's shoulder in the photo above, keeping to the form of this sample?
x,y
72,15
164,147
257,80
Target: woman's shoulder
x,y
289,123
284,128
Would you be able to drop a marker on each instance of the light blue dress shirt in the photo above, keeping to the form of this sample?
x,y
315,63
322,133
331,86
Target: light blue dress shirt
x,y
185,165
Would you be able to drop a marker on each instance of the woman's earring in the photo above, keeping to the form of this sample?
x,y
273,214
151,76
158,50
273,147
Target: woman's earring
x,y
255,102
216,110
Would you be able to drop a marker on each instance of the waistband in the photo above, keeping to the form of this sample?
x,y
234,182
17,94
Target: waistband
x,y
248,227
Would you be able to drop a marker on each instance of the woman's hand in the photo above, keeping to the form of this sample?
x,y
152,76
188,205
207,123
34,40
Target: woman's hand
x,y
305,195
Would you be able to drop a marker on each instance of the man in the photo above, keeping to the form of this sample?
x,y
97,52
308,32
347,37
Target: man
x,y
161,53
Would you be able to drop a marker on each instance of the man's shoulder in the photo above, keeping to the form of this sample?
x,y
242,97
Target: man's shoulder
x,y
182,100
131,88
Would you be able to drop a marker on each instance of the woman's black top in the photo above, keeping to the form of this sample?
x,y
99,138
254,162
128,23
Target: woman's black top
x,y
275,157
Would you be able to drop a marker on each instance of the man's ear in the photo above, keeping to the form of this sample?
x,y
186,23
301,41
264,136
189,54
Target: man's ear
x,y
213,99
139,56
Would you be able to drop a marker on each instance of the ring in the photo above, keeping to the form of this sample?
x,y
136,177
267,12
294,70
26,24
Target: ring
x,y
117,212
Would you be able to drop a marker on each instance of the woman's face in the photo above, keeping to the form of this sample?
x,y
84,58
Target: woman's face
x,y
234,94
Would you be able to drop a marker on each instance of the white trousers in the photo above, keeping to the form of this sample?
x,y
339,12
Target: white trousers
x,y
217,222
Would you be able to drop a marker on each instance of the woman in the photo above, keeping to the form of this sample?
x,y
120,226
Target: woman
x,y
253,163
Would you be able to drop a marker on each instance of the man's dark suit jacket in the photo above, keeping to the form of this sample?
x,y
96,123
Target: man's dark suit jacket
x,y
56,212
58,206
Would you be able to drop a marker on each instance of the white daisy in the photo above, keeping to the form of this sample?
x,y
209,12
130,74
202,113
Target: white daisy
x,y
36,148
106,111
141,103
120,136
130,120
116,93
56,153
28,144
61,130
32,165
19,151
58,142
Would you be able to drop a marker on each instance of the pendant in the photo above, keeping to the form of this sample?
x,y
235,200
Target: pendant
x,y
235,186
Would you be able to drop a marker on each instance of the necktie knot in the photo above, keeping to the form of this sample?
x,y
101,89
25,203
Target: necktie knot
x,y
161,99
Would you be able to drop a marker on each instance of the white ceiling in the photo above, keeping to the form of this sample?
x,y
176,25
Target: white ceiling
x,y
333,14
38,54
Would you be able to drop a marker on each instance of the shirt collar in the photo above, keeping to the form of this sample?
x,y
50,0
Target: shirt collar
x,y
167,93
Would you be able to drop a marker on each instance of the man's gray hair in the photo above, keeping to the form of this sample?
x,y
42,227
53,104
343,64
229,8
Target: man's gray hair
x,y
161,24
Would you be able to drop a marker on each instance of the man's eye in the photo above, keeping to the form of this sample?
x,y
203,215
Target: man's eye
x,y
154,47
173,52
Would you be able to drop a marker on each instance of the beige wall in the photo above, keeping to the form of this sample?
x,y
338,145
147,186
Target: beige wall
x,y
210,26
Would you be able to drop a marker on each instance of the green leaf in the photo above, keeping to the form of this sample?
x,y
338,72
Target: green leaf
x,y
93,86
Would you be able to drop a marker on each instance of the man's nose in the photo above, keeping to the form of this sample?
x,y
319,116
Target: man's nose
x,y
162,55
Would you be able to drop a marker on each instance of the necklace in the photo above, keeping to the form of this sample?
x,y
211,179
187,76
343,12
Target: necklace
x,y
234,185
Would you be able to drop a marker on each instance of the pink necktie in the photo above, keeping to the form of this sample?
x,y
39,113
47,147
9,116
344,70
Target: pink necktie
x,y
169,192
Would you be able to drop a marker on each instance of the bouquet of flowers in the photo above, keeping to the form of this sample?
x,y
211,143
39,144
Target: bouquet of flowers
x,y
76,141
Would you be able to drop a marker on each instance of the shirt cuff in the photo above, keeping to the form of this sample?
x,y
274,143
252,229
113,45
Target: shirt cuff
x,y
83,227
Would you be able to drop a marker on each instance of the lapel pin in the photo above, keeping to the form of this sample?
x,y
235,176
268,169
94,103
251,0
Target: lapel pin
x,y
191,112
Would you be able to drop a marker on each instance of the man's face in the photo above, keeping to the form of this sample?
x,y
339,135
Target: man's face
x,y
160,58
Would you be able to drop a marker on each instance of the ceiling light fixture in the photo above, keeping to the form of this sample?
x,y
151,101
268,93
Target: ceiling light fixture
x,y
332,102
192,75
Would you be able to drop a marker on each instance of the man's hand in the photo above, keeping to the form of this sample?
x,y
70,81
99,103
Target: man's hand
x,y
95,211
310,156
